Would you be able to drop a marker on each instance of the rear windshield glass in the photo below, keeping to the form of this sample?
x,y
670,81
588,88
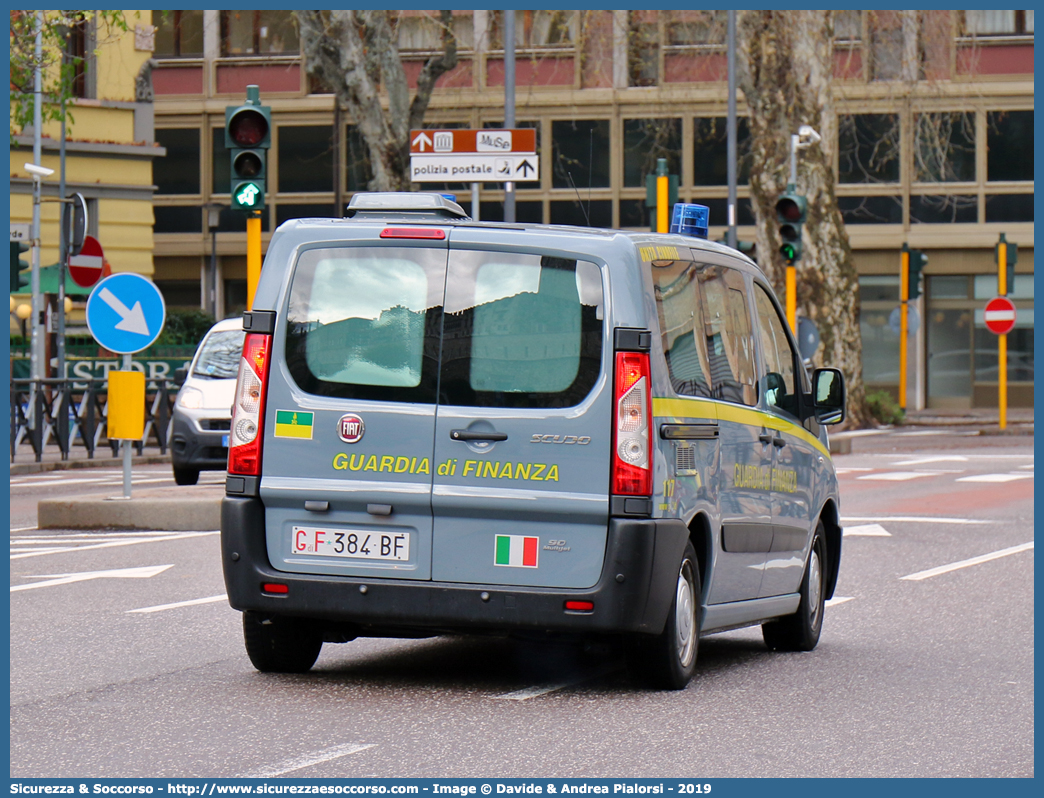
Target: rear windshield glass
x,y
219,355
521,330
363,322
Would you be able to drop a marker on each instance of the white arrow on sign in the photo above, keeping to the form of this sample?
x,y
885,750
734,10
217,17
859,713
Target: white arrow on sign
x,y
422,139
52,580
132,320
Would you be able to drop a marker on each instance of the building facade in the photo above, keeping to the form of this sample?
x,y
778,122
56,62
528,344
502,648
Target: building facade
x,y
940,158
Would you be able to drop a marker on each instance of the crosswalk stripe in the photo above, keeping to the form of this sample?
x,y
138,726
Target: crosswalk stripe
x,y
994,477
945,569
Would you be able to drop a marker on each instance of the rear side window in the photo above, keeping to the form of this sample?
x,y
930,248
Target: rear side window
x,y
219,356
727,329
521,330
363,322
681,325
778,380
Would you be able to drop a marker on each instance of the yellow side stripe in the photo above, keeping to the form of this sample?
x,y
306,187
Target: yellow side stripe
x,y
723,411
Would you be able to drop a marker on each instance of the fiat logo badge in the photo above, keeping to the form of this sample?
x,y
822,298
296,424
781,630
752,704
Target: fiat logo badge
x,y
350,428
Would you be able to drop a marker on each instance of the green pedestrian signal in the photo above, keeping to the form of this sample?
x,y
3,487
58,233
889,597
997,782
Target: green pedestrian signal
x,y
791,210
248,137
18,281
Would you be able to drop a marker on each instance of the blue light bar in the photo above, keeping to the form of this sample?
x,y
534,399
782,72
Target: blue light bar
x,y
690,219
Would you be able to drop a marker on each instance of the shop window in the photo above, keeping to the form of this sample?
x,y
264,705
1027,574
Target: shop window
x,y
945,147
643,48
1019,354
696,27
868,148
422,31
178,171
647,140
1009,208
599,212
998,23
305,159
871,210
580,153
258,33
711,151
986,286
879,288
179,34
1009,145
944,209
177,219
948,287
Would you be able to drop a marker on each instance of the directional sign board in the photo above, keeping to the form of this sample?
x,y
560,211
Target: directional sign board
x,y
473,156
86,268
999,315
125,313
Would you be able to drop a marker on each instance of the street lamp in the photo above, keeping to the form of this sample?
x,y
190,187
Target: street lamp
x,y
213,210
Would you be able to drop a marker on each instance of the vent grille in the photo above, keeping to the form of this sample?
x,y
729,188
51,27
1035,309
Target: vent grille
x,y
685,459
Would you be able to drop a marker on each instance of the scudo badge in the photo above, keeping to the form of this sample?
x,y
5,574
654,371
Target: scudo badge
x,y
350,428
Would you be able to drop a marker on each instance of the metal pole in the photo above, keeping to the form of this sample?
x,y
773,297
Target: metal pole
x,y
662,196
253,255
509,101
126,446
475,201
730,129
36,340
63,249
904,299
212,277
794,139
1002,340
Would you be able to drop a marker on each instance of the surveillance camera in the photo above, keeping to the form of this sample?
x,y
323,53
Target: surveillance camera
x,y
807,131
38,171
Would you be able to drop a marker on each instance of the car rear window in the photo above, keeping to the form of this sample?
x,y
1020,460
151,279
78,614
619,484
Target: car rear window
x,y
521,330
219,355
363,322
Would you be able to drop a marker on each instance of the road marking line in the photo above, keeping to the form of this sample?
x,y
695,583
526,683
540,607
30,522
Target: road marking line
x,y
921,433
994,477
56,482
159,607
54,580
1030,466
850,470
112,545
915,518
543,689
944,569
900,476
866,531
940,458
309,760
838,600
23,529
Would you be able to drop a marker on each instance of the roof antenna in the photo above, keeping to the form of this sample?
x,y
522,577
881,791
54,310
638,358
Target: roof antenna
x,y
579,201
590,171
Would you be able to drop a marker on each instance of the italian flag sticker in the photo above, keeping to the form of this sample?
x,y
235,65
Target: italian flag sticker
x,y
516,551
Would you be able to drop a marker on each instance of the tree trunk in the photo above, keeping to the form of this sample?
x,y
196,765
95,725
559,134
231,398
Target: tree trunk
x,y
785,72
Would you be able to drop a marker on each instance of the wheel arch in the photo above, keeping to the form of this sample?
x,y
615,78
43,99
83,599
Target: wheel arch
x,y
701,538
832,526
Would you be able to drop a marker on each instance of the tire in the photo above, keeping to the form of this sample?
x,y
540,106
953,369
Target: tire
x,y
280,645
800,631
668,661
186,476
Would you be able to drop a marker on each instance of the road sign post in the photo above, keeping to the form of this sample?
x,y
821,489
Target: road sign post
x,y
125,314
999,316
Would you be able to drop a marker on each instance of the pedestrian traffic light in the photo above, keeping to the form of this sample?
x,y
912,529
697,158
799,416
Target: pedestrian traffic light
x,y
790,214
18,282
248,135
918,260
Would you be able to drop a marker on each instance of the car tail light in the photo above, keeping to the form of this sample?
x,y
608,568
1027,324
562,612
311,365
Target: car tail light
x,y
275,587
579,606
248,412
632,444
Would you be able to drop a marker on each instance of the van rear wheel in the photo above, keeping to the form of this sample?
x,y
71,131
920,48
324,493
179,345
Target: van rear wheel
x,y
186,476
800,631
668,660
280,645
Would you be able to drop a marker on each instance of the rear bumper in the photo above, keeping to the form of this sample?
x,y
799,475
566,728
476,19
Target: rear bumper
x,y
633,593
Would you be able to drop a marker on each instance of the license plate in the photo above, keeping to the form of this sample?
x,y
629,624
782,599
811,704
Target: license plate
x,y
351,544
224,441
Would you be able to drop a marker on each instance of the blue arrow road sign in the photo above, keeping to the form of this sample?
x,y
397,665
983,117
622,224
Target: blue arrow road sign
x,y
125,313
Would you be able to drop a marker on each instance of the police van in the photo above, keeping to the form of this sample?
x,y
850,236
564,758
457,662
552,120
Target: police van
x,y
446,426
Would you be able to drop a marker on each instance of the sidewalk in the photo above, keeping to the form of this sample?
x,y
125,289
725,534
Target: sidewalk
x,y
51,459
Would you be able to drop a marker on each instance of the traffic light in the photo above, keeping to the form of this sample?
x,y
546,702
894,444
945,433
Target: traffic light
x,y
1013,258
918,260
18,282
791,209
248,135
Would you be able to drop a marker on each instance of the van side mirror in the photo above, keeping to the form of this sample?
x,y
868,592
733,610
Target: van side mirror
x,y
828,396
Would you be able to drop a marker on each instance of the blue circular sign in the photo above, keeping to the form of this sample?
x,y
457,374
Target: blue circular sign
x,y
125,313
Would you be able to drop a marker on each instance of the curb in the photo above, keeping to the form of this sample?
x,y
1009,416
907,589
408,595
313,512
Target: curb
x,y
106,462
146,512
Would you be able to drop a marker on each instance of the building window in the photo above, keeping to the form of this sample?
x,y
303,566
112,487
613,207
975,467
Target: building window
x,y
643,48
178,172
305,159
76,54
944,209
848,26
871,210
580,153
696,27
177,219
357,157
179,34
536,29
647,140
222,164
998,23
711,151
886,45
1009,208
868,148
1009,145
945,147
258,33
422,31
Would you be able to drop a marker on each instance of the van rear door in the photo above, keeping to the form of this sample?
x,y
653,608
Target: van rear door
x,y
350,417
522,434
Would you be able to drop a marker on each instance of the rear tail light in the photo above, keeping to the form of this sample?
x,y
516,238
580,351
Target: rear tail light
x,y
579,606
248,412
632,443
275,587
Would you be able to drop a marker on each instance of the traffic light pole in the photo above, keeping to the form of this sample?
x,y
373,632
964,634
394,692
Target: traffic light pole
x,y
904,298
1002,340
253,224
662,194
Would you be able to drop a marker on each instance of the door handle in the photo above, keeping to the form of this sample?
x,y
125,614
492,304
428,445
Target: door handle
x,y
765,437
779,442
469,435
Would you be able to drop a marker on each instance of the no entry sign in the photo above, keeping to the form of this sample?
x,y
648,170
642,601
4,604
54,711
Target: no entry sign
x,y
86,268
999,315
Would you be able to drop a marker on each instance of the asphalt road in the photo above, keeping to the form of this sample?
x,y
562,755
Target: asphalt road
x,y
929,676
